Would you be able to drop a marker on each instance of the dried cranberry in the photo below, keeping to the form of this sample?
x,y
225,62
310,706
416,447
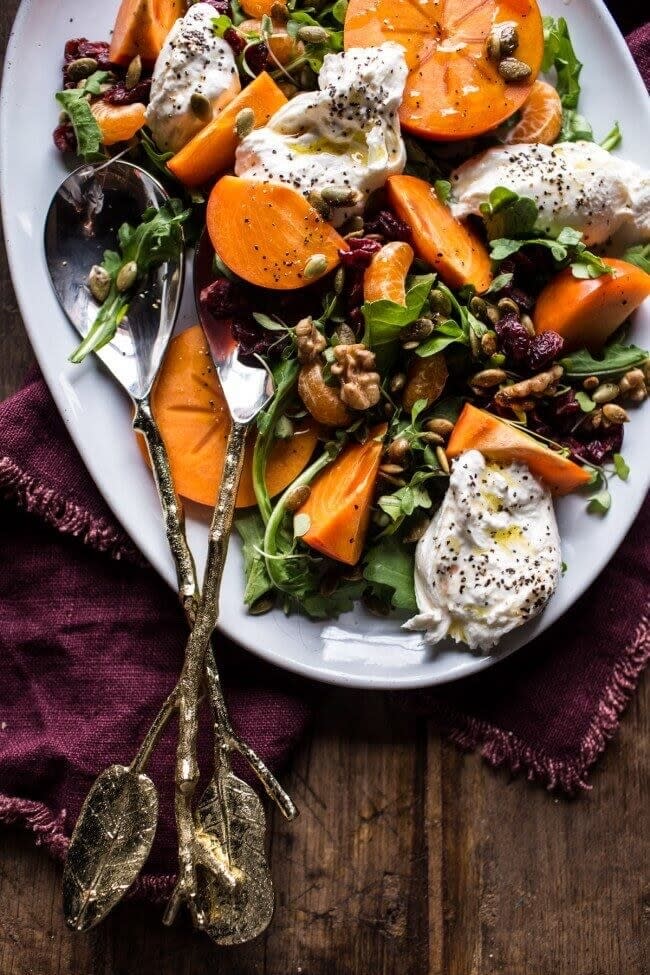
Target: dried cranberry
x,y
387,225
119,94
514,340
220,6
360,253
64,138
257,57
601,449
81,47
236,41
225,299
543,350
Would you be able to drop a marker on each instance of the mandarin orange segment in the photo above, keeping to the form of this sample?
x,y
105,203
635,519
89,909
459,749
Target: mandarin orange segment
x,y
541,117
118,123
385,277
193,418
453,91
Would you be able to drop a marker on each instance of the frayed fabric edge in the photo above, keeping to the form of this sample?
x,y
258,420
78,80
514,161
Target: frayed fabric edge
x,y
48,831
502,748
64,515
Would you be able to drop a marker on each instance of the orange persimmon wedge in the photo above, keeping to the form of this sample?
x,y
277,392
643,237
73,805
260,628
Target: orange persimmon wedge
x,y
190,409
118,123
281,44
453,90
501,442
142,27
541,117
440,239
340,503
213,150
267,233
587,311
385,276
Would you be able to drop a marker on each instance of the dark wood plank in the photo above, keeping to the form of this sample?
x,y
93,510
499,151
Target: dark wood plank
x,y
408,857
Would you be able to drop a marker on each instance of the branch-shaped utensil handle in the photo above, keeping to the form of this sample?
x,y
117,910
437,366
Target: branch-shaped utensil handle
x,y
173,514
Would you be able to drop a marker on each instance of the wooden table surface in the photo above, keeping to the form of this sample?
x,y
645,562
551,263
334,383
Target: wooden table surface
x,y
409,857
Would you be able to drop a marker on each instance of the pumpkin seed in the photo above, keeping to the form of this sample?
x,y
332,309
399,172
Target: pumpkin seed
x,y
315,200
487,378
99,283
341,196
81,68
442,459
440,302
126,277
201,107
440,426
398,450
605,393
512,69
339,281
502,40
506,305
416,529
417,330
262,605
297,497
615,414
397,383
315,266
313,35
134,73
244,122
489,343
591,382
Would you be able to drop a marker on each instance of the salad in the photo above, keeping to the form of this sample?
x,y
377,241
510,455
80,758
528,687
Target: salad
x,y
409,221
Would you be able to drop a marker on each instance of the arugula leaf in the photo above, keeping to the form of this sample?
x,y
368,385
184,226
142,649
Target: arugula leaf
x,y
446,333
342,600
506,214
621,468
639,255
613,138
575,127
501,281
221,24
600,503
157,159
560,54
403,502
389,566
615,358
339,10
93,84
251,531
566,248
385,319
86,130
156,240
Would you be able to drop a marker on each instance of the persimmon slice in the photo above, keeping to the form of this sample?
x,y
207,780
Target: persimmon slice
x,y
453,91
385,276
191,411
501,442
441,240
267,233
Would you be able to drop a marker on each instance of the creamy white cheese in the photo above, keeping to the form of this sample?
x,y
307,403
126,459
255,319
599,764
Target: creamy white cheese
x,y
347,134
490,559
193,61
575,184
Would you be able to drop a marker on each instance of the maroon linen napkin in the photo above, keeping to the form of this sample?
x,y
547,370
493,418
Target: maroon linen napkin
x,y
91,642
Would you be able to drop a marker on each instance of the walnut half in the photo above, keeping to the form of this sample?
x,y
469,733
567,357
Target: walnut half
x,y
354,367
310,342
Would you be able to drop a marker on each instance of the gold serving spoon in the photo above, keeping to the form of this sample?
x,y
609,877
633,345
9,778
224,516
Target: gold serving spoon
x,y
224,877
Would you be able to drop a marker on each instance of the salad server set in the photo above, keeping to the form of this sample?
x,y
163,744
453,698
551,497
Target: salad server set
x,y
224,879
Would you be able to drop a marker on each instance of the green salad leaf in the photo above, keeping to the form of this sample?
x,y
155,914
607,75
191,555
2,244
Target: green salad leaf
x,y
506,214
443,190
639,255
87,132
157,239
613,138
615,358
567,249
250,527
385,319
389,566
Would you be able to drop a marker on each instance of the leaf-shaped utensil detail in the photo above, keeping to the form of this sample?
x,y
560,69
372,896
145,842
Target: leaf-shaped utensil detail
x,y
109,846
231,828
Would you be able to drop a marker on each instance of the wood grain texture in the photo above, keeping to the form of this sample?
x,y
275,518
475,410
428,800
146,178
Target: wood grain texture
x,y
408,858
